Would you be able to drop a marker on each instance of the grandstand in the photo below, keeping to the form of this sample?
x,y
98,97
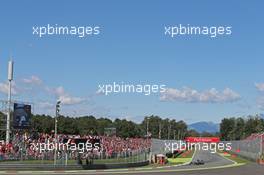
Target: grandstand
x,y
255,136
111,149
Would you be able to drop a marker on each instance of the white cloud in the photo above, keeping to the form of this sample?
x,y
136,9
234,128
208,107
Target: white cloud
x,y
59,91
46,105
64,97
193,96
99,92
260,103
4,88
260,99
70,100
260,86
34,80
32,89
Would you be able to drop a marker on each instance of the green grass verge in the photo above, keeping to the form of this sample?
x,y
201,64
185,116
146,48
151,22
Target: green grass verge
x,y
179,160
183,158
234,157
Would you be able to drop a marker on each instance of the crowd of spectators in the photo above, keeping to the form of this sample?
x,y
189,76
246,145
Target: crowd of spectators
x,y
20,146
255,136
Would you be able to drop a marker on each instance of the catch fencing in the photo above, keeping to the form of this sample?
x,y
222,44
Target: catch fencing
x,y
250,148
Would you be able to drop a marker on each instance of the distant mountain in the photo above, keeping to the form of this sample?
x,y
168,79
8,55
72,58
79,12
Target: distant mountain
x,y
205,127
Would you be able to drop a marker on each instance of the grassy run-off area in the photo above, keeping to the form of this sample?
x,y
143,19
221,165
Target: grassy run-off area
x,y
183,158
233,157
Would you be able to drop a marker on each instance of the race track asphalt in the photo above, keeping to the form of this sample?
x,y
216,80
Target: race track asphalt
x,y
215,164
211,160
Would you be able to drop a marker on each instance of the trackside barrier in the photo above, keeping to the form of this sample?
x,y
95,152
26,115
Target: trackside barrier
x,y
250,148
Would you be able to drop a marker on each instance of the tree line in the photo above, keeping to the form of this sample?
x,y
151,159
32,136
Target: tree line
x,y
152,125
240,128
230,128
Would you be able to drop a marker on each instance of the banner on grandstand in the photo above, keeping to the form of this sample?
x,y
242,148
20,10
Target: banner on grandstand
x,y
21,116
202,139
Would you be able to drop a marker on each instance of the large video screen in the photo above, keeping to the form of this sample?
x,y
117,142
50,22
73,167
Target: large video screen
x,y
21,116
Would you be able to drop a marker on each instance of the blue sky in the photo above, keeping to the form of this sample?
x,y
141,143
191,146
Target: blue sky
x,y
132,48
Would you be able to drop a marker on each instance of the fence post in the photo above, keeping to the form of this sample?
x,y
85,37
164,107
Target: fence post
x,y
66,158
261,148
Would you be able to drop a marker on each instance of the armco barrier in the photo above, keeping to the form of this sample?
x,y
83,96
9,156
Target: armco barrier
x,y
115,165
25,167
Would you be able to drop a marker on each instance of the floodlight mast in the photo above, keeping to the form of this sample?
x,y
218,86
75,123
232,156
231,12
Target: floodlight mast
x,y
56,131
10,78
